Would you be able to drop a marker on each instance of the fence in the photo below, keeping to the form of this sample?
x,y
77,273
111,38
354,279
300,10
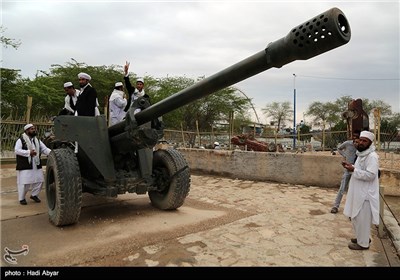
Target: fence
x,y
316,141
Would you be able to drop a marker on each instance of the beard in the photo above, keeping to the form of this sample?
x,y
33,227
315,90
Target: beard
x,y
32,134
362,148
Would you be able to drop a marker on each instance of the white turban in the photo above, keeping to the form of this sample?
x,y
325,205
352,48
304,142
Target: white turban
x,y
140,80
118,84
84,76
68,84
368,135
28,126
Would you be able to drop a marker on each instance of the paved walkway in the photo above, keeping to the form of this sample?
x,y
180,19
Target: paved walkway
x,y
277,225
291,226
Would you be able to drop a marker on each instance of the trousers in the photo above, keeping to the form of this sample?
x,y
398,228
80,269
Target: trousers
x,y
343,187
24,188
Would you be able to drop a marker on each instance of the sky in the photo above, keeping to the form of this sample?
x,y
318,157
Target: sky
x,y
200,38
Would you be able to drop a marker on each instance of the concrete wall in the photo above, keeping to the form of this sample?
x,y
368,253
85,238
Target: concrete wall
x,y
303,169
390,180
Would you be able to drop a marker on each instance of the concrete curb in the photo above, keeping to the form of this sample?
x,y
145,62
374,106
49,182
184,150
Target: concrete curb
x,y
393,228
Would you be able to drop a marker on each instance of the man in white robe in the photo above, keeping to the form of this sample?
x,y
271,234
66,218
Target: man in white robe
x,y
70,99
362,203
117,104
29,169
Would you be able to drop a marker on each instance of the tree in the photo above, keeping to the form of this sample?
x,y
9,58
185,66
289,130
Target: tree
x,y
395,118
331,114
343,103
48,95
340,126
368,106
384,108
241,119
389,132
6,42
13,101
46,89
324,113
11,82
389,129
304,131
279,112
206,111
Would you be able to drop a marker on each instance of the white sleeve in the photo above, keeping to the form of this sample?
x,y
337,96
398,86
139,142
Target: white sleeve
x,y
44,149
19,151
372,164
120,102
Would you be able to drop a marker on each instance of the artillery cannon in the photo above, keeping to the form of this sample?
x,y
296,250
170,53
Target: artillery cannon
x,y
88,156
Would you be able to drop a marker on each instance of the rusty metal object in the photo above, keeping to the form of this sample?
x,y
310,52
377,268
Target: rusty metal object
x,y
356,118
253,144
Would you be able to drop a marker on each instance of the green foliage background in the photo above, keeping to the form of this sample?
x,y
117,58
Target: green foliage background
x,y
47,93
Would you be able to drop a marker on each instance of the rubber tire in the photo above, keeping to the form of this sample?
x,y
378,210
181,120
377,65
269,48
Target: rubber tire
x,y
63,187
173,165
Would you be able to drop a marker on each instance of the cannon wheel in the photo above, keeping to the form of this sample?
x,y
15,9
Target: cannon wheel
x,y
172,179
63,187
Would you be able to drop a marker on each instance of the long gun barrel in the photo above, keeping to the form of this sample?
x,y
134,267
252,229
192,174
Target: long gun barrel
x,y
320,34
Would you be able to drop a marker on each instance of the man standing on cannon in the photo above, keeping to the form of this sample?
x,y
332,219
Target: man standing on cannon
x,y
134,92
87,101
70,99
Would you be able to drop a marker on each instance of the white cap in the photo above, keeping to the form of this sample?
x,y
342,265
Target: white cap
x,y
216,143
28,126
118,84
84,76
68,84
140,80
368,135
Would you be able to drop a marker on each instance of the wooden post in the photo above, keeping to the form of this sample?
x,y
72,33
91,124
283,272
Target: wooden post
x,y
298,135
212,135
392,160
377,128
232,130
198,132
183,136
28,109
323,138
105,108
